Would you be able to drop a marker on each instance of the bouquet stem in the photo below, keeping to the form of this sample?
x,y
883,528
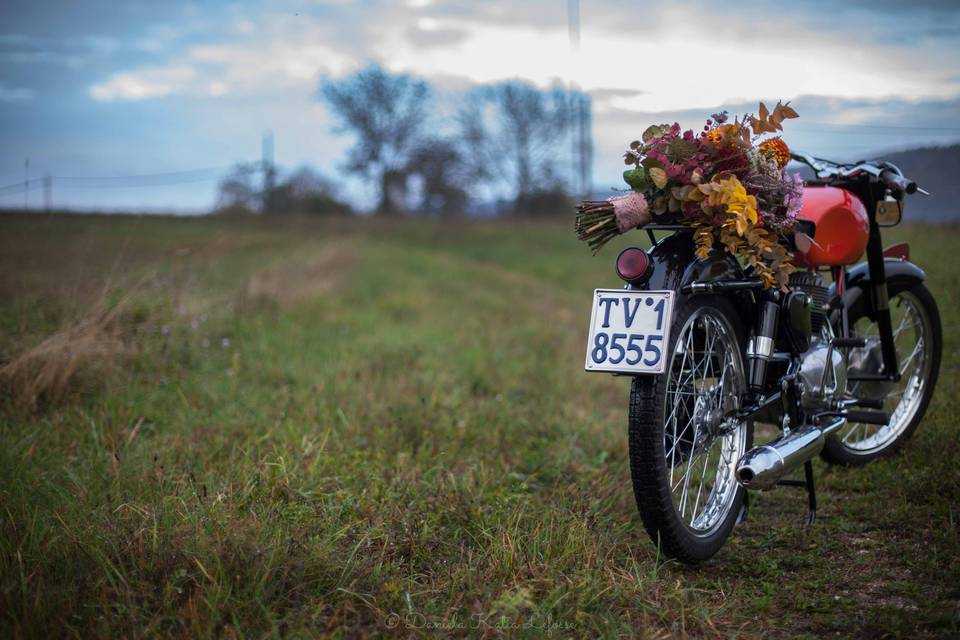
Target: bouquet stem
x,y
598,221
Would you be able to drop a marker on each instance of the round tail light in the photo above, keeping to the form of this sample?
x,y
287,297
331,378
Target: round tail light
x,y
634,265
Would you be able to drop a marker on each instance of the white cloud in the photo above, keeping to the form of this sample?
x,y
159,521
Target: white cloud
x,y
218,89
678,57
151,82
279,54
686,61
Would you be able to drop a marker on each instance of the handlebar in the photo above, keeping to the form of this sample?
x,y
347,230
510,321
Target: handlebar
x,y
886,172
897,182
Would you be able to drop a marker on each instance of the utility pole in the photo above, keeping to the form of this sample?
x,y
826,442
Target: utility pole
x,y
573,32
581,138
26,182
586,144
269,172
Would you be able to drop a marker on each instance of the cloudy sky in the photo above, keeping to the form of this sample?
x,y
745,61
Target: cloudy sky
x,y
99,88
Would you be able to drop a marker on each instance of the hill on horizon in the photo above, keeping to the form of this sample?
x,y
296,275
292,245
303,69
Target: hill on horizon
x,y
936,169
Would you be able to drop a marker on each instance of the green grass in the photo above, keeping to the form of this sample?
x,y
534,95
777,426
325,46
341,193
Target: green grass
x,y
363,428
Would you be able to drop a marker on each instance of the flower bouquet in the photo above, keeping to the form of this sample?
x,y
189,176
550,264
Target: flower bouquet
x,y
727,183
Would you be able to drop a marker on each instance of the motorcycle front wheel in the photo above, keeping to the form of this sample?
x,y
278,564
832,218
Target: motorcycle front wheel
x,y
684,442
918,338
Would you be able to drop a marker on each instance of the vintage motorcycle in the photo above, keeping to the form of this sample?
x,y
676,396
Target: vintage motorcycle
x,y
844,369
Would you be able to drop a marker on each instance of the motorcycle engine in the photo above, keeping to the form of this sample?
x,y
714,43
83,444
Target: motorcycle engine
x,y
813,284
823,376
823,369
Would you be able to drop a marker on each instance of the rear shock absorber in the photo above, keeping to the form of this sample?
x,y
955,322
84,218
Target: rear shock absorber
x,y
760,346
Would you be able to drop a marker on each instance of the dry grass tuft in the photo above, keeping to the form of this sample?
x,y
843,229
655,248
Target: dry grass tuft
x,y
82,351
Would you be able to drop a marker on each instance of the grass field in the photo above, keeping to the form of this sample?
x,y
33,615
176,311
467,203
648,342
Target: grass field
x,y
237,428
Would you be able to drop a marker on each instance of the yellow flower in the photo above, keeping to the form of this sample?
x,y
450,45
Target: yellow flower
x,y
714,135
731,194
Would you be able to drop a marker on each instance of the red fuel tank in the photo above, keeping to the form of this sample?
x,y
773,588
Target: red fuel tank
x,y
842,227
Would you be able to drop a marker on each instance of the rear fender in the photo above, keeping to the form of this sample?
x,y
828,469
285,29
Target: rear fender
x,y
676,265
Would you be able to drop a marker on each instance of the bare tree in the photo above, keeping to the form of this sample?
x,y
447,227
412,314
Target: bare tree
x,y
443,174
237,193
516,134
307,191
386,114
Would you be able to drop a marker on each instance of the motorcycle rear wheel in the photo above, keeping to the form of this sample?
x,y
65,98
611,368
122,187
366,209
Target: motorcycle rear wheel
x,y
918,339
683,445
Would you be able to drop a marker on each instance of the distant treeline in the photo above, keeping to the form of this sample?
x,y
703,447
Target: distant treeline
x,y
506,147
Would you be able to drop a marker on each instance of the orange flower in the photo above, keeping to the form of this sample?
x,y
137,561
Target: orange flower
x,y
776,149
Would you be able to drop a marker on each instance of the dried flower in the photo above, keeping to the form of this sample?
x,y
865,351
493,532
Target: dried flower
x,y
719,182
777,150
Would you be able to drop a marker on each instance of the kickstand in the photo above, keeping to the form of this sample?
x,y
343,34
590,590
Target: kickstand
x,y
745,509
807,483
811,492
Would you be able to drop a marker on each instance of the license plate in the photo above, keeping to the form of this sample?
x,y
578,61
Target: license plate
x,y
629,331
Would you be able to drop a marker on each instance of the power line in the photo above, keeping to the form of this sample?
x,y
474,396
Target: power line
x,y
167,174
19,187
169,178
132,184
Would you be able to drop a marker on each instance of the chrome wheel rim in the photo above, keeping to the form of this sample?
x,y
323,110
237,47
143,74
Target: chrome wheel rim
x,y
701,448
901,400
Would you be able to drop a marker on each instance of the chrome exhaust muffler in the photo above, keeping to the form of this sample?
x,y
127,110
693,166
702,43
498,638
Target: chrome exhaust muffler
x,y
763,466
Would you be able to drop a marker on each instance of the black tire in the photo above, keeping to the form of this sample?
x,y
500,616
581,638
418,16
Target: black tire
x,y
650,471
834,450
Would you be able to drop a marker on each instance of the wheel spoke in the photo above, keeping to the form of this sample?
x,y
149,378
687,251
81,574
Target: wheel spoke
x,y
703,476
913,354
705,371
686,474
903,325
902,399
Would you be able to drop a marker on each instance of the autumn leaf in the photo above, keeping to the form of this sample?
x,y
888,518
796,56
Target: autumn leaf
x,y
742,225
775,121
703,239
660,205
659,177
788,111
653,131
771,122
695,195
